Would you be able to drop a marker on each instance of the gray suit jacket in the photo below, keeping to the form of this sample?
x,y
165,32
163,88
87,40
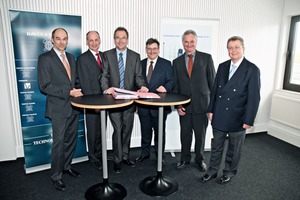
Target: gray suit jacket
x,y
55,84
133,79
197,87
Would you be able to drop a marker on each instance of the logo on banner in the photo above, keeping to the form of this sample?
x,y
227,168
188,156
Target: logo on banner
x,y
27,86
47,45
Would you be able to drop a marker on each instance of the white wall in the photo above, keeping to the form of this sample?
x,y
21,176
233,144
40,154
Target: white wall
x,y
258,22
285,108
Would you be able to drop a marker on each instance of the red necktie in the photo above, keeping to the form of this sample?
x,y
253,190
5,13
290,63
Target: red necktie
x,y
190,65
98,60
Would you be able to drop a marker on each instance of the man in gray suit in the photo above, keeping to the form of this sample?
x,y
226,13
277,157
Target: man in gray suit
x,y
122,70
89,70
234,103
194,75
56,77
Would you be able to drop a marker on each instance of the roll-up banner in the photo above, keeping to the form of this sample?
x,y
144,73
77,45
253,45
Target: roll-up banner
x,y
31,35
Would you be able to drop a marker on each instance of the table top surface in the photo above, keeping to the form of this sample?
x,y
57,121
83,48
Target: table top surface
x,y
166,99
99,101
107,101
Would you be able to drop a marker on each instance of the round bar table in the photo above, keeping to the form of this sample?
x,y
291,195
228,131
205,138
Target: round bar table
x,y
159,185
104,190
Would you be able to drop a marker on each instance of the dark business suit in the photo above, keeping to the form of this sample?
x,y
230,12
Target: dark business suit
x,y
198,89
162,76
89,74
56,85
122,118
233,103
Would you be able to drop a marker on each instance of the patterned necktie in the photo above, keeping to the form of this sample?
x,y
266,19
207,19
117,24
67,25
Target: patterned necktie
x,y
190,65
121,70
98,60
231,72
150,70
66,65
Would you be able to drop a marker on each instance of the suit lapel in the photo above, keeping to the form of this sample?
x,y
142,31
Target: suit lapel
x,y
59,63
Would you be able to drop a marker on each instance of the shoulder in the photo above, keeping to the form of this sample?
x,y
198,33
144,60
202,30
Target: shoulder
x,y
202,54
132,53
178,59
110,52
163,61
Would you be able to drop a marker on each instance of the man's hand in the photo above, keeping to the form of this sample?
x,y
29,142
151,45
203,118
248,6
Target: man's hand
x,y
181,110
109,90
76,93
143,89
209,116
246,126
161,89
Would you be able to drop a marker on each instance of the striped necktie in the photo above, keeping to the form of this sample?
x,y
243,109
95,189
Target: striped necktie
x,y
121,70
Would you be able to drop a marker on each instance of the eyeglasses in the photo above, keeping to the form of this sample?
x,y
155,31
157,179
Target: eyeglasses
x,y
152,49
233,48
120,38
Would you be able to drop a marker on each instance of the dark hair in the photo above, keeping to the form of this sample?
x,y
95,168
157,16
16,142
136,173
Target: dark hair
x,y
121,29
234,38
53,32
152,41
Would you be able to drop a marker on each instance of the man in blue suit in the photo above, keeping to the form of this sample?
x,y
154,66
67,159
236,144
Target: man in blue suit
x,y
233,106
158,76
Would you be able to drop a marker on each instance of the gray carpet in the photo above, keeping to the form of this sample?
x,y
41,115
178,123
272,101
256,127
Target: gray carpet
x,y
269,170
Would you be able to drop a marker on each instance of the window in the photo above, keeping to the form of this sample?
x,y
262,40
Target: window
x,y
292,68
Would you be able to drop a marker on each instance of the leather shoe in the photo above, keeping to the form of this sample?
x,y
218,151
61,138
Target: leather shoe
x,y
202,166
72,172
129,163
59,185
97,164
182,164
225,179
141,158
207,177
117,168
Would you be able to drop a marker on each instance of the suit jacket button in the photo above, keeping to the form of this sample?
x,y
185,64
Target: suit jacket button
x,y
228,99
226,108
220,96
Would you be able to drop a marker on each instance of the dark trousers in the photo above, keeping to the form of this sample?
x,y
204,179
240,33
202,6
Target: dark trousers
x,y
122,122
93,126
188,123
233,155
149,123
64,132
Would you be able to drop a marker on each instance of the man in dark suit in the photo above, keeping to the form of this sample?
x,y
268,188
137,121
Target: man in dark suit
x,y
89,70
234,103
158,76
194,75
123,70
56,77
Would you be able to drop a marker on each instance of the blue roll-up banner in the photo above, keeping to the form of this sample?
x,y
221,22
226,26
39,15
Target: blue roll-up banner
x,y
31,34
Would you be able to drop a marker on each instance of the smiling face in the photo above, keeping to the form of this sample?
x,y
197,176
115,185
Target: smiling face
x,y
93,41
121,40
152,51
235,50
189,43
60,40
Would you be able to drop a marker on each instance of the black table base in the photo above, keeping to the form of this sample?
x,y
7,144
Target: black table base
x,y
106,191
158,185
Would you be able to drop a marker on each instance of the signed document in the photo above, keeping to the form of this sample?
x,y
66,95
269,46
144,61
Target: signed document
x,y
127,94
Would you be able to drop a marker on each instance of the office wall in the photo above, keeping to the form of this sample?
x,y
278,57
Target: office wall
x,y
258,22
285,107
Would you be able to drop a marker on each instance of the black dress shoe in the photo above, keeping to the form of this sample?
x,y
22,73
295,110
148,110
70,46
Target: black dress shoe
x,y
129,163
141,158
202,166
117,168
225,179
59,185
97,164
182,164
207,177
72,172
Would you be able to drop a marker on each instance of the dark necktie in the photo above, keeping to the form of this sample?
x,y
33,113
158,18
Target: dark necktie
x,y
121,70
150,70
190,65
98,60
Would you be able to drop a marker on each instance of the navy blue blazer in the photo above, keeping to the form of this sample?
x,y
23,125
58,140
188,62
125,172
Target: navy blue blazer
x,y
162,76
235,102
